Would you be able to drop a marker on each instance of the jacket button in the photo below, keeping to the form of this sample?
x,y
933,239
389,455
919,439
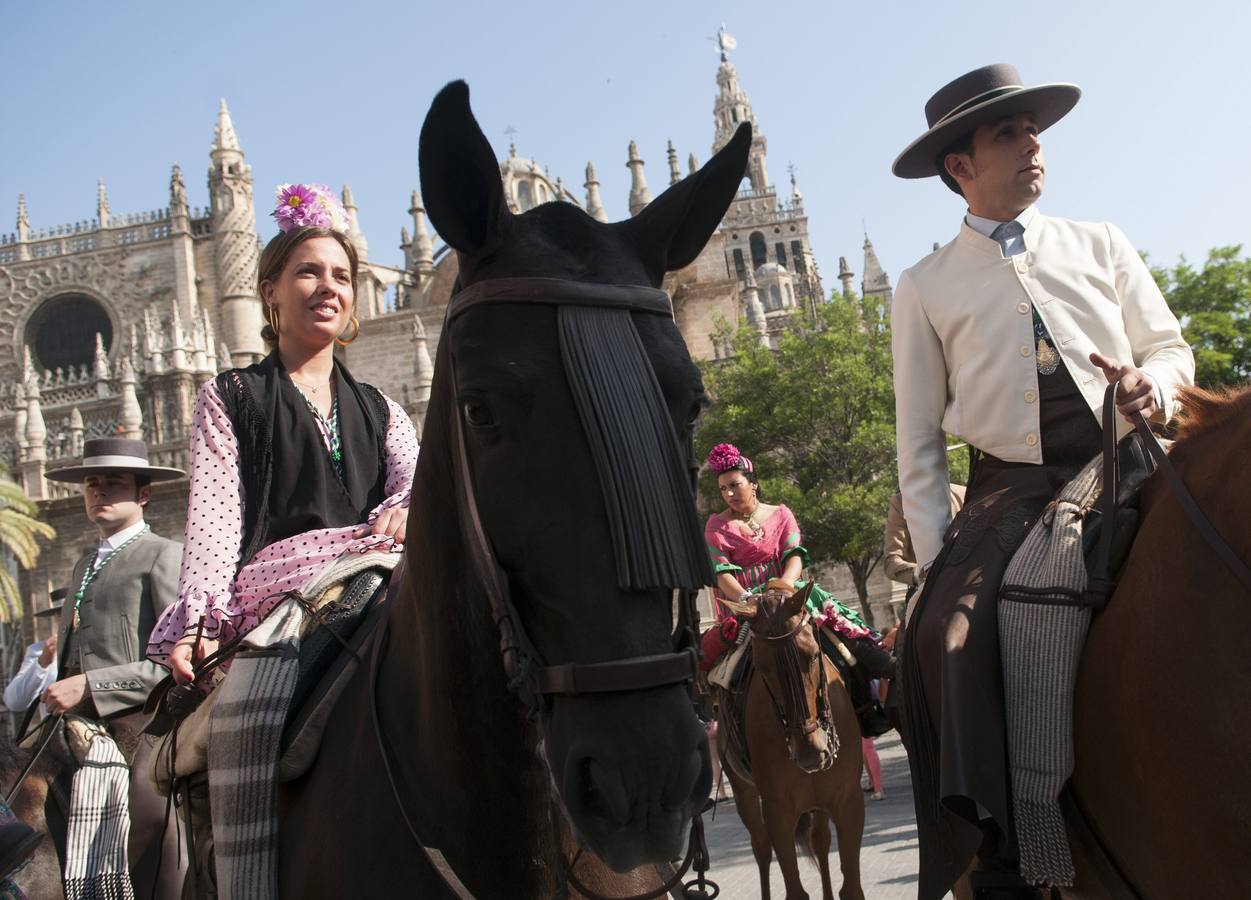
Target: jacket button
x,y
1031,439
1030,396
1021,266
1022,308
1026,349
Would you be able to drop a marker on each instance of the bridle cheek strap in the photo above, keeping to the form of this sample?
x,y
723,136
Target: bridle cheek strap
x,y
528,675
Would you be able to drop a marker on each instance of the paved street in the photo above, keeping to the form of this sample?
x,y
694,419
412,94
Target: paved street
x,y
888,858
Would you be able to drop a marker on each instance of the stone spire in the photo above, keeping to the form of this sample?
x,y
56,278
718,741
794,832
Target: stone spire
x,y
675,171
845,275
36,430
23,223
178,341
692,164
130,417
876,282
19,417
100,368
237,253
153,359
594,206
640,196
755,311
731,109
354,227
102,204
76,430
423,367
422,250
179,211
797,198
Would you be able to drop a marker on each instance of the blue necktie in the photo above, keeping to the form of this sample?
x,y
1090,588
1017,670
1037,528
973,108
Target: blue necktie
x,y
1009,237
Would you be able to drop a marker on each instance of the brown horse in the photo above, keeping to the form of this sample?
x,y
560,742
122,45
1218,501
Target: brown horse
x,y
1161,736
40,877
804,742
619,772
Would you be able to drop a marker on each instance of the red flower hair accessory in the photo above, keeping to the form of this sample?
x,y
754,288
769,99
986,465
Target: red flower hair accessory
x,y
725,457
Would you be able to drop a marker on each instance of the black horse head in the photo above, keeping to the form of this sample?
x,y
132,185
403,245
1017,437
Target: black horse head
x,y
630,766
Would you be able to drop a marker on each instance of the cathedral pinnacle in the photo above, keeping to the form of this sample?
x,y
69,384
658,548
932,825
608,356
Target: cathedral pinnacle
x,y
594,206
354,232
421,259
224,137
640,195
876,281
692,165
102,204
23,223
675,171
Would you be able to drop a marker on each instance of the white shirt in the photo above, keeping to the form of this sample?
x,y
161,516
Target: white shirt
x,y
985,226
111,543
30,681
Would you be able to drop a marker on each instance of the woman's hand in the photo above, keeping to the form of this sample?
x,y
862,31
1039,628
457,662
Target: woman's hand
x,y
391,522
180,658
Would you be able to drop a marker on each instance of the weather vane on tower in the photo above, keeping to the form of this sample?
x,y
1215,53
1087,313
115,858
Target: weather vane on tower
x,y
725,40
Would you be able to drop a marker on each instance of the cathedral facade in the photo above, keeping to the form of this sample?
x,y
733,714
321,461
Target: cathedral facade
x,y
110,326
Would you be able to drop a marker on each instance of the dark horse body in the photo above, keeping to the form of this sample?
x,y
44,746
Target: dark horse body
x,y
494,792
1161,733
798,781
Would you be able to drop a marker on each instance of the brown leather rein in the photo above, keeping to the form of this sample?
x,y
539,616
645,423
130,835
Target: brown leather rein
x,y
824,719
1102,582
529,676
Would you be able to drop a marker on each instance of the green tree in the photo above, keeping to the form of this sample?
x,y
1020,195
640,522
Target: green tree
x,y
19,532
1214,306
818,417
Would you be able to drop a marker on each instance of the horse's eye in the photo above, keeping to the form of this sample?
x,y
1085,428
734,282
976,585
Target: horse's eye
x,y
478,414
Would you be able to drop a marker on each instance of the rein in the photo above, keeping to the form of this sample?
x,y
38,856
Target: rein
x,y
1102,583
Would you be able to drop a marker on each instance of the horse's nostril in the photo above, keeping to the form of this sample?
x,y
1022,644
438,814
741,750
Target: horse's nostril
x,y
605,792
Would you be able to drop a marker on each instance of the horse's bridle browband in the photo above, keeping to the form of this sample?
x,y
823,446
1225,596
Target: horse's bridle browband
x,y
528,675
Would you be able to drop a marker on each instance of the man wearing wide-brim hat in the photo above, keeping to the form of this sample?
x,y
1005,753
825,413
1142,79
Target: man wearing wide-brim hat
x,y
116,592
1007,337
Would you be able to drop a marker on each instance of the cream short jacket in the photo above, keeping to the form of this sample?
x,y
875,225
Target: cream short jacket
x,y
963,344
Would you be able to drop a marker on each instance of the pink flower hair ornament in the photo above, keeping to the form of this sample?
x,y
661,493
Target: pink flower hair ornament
x,y
309,206
725,457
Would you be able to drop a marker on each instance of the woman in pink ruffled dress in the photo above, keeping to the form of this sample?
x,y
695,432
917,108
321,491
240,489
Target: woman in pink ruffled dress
x,y
293,462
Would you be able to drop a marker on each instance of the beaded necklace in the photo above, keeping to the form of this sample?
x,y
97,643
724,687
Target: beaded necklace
x,y
93,570
331,424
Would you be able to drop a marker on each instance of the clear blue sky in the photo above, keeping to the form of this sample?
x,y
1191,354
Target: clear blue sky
x,y
336,92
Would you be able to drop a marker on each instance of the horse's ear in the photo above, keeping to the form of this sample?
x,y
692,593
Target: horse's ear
x,y
745,611
460,178
673,229
795,602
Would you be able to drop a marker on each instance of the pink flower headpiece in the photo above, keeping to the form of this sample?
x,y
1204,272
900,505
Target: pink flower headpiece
x,y
725,457
309,206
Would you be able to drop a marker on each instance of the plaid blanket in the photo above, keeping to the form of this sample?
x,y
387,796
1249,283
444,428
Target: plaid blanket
x,y
96,866
245,736
1043,620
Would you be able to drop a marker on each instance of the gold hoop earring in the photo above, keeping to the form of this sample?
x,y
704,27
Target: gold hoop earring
x,y
271,316
356,332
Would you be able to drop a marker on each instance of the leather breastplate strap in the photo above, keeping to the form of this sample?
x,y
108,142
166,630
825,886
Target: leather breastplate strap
x,y
528,674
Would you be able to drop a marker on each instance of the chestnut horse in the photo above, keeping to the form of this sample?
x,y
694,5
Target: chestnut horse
x,y
620,773
804,742
1161,736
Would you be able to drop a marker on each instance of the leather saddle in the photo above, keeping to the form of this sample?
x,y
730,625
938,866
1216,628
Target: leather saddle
x,y
1134,465
329,656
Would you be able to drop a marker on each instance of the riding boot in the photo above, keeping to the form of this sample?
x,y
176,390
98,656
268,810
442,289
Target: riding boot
x,y
201,880
18,842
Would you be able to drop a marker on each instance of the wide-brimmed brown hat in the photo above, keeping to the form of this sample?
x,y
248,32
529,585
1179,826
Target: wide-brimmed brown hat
x,y
983,95
102,455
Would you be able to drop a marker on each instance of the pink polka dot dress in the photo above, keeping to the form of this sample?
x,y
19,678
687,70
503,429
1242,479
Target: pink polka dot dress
x,y
212,543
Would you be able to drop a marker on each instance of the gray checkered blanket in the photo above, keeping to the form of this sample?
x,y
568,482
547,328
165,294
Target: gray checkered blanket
x,y
245,737
1043,620
96,867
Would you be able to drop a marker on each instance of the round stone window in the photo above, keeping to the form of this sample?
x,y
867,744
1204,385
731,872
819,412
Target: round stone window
x,y
62,332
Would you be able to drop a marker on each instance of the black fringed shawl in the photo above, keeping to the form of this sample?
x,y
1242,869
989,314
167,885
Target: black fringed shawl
x,y
290,485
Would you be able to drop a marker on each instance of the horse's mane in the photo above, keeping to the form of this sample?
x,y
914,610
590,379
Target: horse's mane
x,y
1204,410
